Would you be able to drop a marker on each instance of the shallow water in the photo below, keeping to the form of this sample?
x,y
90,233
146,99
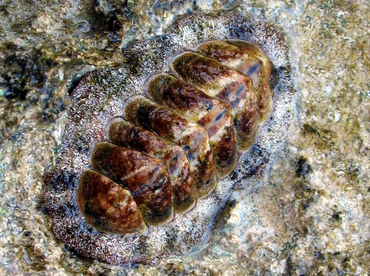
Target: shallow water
x,y
311,215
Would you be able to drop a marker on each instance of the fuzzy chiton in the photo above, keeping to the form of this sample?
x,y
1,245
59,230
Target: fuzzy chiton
x,y
152,150
172,145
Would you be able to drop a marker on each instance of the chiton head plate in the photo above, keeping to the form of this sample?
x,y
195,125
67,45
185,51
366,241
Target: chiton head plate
x,y
152,150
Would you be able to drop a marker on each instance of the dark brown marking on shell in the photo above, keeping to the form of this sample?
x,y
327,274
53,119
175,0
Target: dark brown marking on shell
x,y
127,135
146,177
196,106
193,138
248,59
225,84
107,206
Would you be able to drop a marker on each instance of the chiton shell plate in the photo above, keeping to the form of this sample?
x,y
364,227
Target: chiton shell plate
x,y
101,95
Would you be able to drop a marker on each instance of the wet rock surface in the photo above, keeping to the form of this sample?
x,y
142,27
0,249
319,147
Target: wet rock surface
x,y
310,216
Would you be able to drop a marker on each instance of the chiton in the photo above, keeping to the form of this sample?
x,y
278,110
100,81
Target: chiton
x,y
153,149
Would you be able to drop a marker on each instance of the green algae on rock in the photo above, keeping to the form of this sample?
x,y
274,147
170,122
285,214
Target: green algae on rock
x,y
102,95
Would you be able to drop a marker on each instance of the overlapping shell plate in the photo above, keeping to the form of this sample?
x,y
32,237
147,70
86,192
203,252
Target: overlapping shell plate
x,y
200,129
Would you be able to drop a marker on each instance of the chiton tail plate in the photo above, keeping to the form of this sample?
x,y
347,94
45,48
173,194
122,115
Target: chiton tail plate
x,y
153,149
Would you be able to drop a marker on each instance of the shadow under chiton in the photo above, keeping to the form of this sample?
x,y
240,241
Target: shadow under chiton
x,y
152,150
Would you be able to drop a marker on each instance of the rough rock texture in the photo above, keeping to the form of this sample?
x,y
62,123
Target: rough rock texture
x,y
312,214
